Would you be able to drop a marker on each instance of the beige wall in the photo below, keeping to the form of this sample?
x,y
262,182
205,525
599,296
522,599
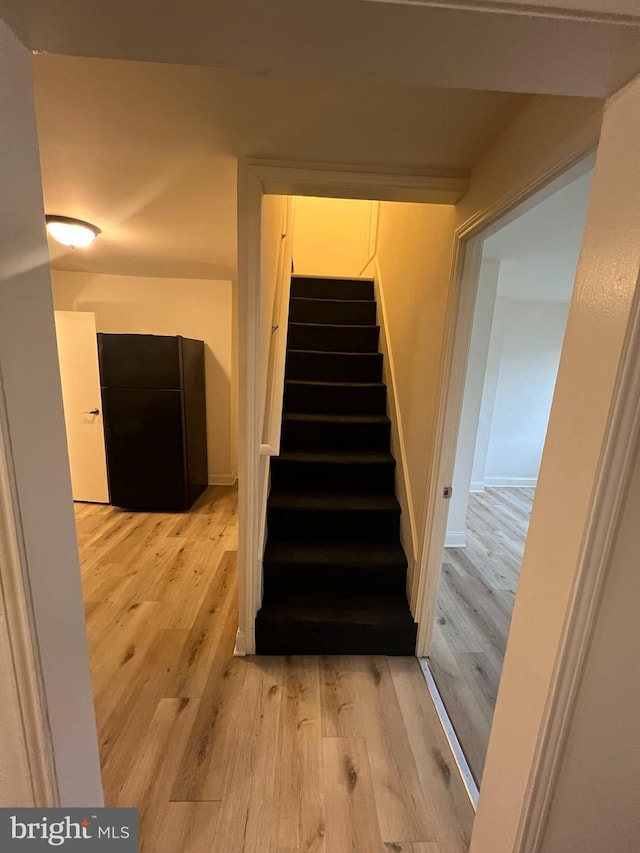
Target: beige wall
x,y
194,308
596,806
538,139
333,236
414,256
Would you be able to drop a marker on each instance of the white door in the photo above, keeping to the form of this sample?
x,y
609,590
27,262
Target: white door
x,y
80,375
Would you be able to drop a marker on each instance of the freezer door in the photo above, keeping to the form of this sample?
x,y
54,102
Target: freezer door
x,y
139,361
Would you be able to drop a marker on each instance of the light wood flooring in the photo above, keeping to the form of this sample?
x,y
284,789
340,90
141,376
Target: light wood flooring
x,y
475,602
262,754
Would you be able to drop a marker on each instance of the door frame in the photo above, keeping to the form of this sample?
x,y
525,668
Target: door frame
x,y
257,178
26,718
467,259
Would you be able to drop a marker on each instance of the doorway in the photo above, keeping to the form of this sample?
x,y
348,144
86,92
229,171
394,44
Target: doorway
x,y
525,283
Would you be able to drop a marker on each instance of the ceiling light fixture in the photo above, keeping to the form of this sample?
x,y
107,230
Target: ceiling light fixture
x,y
71,232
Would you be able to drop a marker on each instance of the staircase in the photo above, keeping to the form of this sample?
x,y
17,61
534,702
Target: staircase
x,y
334,569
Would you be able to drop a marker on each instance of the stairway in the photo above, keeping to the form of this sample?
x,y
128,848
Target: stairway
x,y
334,569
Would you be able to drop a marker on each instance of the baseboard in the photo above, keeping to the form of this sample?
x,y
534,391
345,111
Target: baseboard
x,y
511,482
222,479
455,540
408,534
240,649
477,486
454,744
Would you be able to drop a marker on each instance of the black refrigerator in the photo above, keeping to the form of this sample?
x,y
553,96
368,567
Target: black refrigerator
x,y
153,401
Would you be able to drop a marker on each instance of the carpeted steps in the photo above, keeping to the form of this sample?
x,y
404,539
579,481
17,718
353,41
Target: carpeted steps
x,y
334,569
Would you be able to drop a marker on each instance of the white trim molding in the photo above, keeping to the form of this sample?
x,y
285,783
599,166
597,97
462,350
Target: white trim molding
x,y
511,482
455,540
23,666
223,479
433,186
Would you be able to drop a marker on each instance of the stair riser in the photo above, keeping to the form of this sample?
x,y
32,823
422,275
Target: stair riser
x,y
316,580
330,367
333,338
306,436
318,288
333,477
337,311
300,524
300,638
347,400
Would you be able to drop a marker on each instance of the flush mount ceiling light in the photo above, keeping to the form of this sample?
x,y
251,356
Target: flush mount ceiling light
x,y
71,232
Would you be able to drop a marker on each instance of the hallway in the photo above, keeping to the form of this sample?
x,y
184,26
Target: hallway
x,y
262,754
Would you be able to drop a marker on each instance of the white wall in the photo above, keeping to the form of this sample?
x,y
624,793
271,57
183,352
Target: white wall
x,y
528,339
333,236
194,308
473,395
35,431
596,802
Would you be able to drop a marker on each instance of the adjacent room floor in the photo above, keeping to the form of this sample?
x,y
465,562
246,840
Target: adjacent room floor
x,y
475,602
262,754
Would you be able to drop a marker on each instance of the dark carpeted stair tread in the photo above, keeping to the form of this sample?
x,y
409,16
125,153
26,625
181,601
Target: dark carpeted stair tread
x,y
322,383
367,610
331,337
362,420
334,366
314,287
326,355
334,470
337,457
337,311
321,431
310,625
314,299
340,327
345,554
334,502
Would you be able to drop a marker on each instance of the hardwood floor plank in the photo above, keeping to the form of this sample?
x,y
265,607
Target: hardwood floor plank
x,y
359,700
151,773
351,816
298,819
473,614
440,780
187,828
249,758
214,620
199,754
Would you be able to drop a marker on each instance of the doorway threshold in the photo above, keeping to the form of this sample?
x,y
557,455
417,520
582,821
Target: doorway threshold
x,y
461,762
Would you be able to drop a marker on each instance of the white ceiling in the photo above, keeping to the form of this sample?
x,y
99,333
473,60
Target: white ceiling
x,y
147,151
538,251
349,39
